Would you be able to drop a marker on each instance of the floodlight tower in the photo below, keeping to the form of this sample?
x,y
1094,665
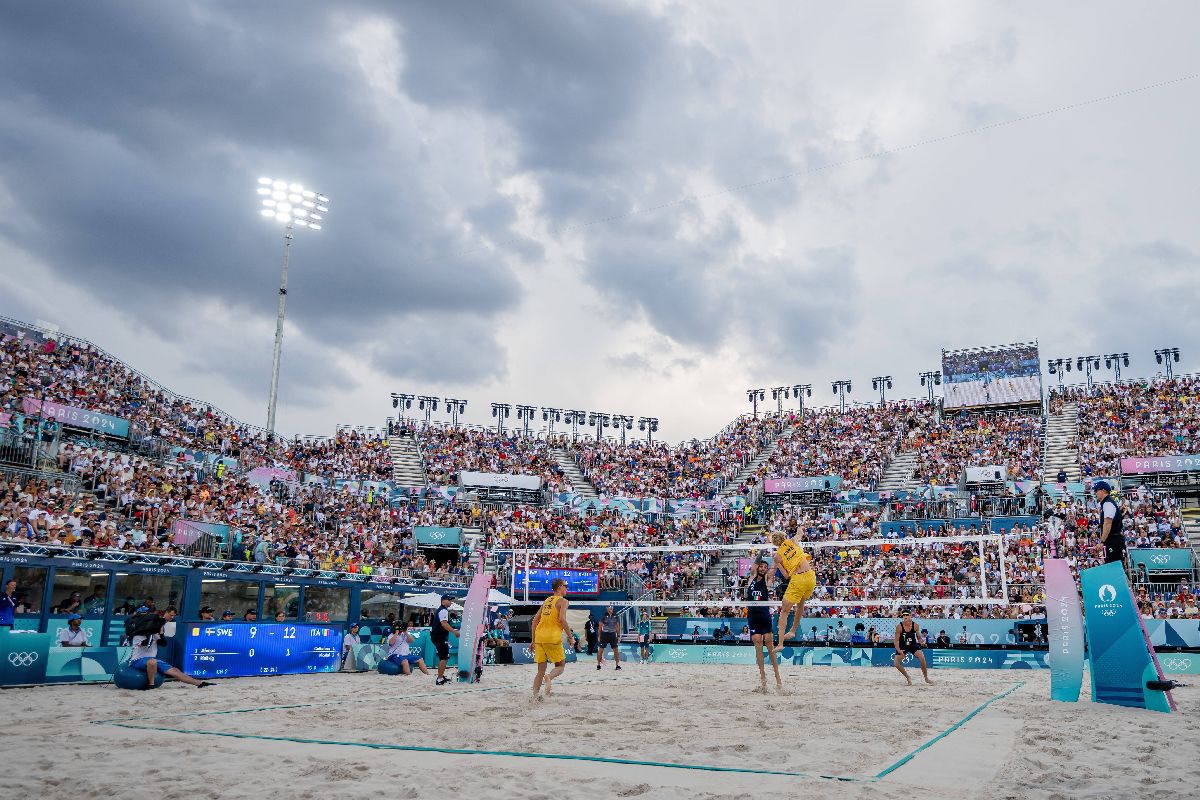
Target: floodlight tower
x,y
1114,361
624,423
1058,366
650,426
801,391
551,416
501,411
1164,356
754,395
841,389
525,414
454,407
882,383
428,405
294,206
931,379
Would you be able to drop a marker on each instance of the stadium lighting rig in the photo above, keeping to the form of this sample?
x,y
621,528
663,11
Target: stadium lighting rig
x,y
525,414
1165,356
402,402
551,416
1086,364
801,391
601,421
575,418
650,426
931,379
1114,361
501,411
882,383
454,407
1057,366
623,423
841,389
754,395
295,206
427,404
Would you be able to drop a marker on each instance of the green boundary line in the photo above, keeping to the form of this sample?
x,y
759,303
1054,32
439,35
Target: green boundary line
x,y
126,722
947,732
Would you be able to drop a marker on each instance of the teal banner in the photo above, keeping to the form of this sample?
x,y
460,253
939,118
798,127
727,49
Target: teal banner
x,y
1064,621
36,658
839,656
431,536
1168,559
1119,656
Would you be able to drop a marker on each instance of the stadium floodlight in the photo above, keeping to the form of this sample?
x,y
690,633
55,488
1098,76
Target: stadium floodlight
x,y
454,407
931,378
501,411
1165,356
525,414
574,418
650,426
882,383
1086,364
841,389
754,395
428,404
601,421
622,422
1115,361
286,202
800,391
551,416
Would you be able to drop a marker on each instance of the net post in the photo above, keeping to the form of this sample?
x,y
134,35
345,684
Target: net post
x,y
526,598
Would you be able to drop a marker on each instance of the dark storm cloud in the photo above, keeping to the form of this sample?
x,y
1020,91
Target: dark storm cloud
x,y
614,114
132,134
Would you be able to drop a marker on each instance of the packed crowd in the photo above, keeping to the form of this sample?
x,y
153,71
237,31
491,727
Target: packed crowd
x,y
446,452
694,469
944,448
34,370
133,503
1135,419
855,445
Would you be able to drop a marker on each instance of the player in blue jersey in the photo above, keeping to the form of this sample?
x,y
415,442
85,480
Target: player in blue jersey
x,y
758,619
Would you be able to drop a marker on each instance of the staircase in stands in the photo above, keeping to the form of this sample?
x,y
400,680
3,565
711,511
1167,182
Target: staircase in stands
x,y
899,472
583,487
713,579
1191,528
407,468
752,466
1059,451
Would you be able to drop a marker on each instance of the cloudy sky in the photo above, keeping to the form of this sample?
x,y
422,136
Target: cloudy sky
x,y
531,201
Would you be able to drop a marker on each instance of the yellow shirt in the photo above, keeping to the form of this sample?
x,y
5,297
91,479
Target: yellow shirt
x,y
549,631
791,556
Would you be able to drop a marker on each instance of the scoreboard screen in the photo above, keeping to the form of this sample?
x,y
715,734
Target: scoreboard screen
x,y
579,581
225,651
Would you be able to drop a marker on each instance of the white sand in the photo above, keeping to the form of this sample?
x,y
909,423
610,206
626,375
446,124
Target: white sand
x,y
840,721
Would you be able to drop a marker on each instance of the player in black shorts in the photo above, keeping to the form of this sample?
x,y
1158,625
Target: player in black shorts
x,y
758,619
1112,524
909,640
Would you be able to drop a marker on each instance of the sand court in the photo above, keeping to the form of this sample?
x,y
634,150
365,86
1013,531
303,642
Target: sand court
x,y
676,730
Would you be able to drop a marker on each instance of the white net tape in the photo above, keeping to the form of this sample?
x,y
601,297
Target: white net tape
x,y
976,593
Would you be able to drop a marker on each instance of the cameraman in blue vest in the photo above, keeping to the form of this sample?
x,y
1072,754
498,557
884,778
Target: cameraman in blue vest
x,y
1112,540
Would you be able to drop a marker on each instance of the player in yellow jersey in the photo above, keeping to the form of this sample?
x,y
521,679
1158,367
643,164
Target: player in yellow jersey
x,y
549,625
796,566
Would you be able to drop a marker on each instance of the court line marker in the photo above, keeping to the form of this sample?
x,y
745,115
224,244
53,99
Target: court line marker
x,y
126,722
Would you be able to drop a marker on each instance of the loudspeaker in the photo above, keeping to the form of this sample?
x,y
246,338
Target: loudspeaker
x,y
503,655
519,627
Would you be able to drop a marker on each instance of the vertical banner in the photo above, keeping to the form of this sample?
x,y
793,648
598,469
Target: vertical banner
x,y
1119,654
470,632
1064,624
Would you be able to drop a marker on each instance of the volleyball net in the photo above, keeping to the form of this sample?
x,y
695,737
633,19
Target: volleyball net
x,y
884,573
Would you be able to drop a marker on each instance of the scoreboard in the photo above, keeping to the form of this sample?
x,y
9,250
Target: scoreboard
x,y
579,581
226,651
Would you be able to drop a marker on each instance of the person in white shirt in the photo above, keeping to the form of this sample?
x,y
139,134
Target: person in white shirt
x,y
145,659
74,635
348,642
399,650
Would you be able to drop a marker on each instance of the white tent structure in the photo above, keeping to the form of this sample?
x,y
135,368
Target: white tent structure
x,y
427,600
497,597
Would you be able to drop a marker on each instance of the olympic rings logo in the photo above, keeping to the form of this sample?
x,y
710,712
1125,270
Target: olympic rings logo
x,y
22,659
1176,664
528,651
1161,558
677,653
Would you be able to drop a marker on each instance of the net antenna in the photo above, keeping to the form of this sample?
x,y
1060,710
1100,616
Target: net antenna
x,y
528,557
